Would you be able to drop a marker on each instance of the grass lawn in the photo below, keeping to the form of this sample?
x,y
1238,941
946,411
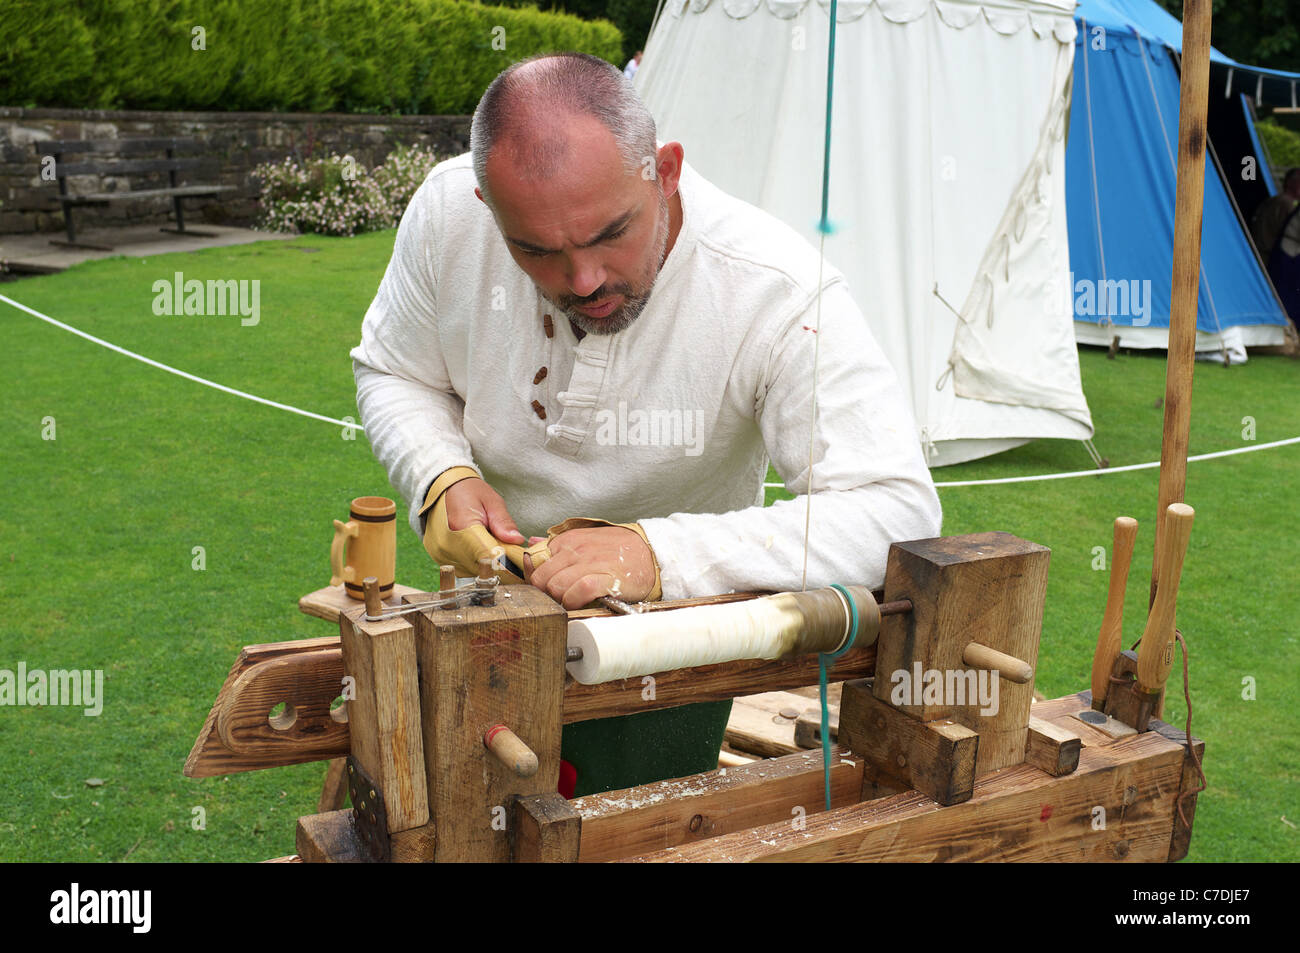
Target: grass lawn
x,y
97,546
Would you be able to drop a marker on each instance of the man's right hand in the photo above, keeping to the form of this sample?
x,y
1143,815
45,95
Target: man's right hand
x,y
468,521
474,501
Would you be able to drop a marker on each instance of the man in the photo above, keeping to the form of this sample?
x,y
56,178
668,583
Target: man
x,y
1276,229
1273,212
633,65
575,323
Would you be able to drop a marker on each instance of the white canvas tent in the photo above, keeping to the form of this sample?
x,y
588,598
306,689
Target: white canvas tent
x,y
947,175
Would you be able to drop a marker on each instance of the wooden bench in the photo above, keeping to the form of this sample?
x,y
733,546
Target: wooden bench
x,y
113,164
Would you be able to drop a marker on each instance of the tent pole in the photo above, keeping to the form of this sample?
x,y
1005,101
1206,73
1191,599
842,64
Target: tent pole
x,y
1193,104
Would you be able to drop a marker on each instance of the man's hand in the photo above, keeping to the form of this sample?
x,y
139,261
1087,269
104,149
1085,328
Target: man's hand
x,y
586,564
468,521
474,501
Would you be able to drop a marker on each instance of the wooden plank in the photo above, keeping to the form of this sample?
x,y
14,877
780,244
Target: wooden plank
x,y
102,198
759,725
1189,780
1018,814
581,702
1050,748
305,684
937,758
708,683
209,757
115,146
109,167
985,587
786,791
384,713
335,789
327,603
328,839
482,666
547,830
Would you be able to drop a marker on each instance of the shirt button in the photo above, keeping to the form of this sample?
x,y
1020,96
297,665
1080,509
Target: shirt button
x,y
539,376
541,411
549,325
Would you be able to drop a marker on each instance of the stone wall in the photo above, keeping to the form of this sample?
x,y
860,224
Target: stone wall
x,y
237,141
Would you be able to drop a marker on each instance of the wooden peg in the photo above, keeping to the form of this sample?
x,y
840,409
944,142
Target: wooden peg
x,y
446,583
374,606
1156,654
1008,666
1112,623
486,582
510,751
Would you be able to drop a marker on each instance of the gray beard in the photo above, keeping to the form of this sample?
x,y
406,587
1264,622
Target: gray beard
x,y
632,306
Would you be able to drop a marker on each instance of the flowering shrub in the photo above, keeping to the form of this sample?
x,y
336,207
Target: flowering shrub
x,y
339,196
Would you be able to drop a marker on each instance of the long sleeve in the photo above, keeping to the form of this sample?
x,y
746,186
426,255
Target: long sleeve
x,y
411,412
870,484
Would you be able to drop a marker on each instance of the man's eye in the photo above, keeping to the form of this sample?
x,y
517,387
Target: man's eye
x,y
619,234
534,254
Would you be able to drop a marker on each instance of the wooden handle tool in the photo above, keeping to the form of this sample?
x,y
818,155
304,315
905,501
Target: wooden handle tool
x,y
1156,655
1112,623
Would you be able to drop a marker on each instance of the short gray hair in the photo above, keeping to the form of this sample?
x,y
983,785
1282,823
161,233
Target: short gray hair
x,y
574,83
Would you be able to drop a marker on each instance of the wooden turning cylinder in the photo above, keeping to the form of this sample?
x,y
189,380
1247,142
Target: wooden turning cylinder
x,y
779,626
510,751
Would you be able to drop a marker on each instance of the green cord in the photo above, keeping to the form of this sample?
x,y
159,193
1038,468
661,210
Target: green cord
x,y
822,659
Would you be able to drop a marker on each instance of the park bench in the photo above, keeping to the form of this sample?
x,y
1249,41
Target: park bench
x,y
116,157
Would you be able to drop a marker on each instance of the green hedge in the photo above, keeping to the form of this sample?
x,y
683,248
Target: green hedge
x,y
1283,145
392,56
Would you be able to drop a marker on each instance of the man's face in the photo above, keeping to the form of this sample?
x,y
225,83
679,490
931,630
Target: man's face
x,y
592,237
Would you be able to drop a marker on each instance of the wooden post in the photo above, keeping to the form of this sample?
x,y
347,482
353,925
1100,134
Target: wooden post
x,y
986,588
482,666
384,713
1193,103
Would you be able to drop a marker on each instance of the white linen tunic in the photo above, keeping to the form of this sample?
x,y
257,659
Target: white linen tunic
x,y
670,422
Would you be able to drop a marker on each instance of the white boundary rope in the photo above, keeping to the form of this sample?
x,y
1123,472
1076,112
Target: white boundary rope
x,y
778,486
1083,473
179,373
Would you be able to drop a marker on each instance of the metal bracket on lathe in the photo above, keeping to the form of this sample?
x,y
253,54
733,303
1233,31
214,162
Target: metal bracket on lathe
x,y
368,814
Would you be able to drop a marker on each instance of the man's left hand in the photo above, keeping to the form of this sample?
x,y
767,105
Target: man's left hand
x,y
586,564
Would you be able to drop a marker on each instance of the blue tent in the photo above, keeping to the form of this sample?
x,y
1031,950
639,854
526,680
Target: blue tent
x,y
1120,185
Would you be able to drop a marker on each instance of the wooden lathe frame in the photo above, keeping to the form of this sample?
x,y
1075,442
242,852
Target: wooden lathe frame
x,y
909,783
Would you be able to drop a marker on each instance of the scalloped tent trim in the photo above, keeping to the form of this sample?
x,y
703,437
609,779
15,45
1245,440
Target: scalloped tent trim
x,y
1054,18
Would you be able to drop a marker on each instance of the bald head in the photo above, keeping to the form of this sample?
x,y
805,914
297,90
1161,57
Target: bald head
x,y
528,112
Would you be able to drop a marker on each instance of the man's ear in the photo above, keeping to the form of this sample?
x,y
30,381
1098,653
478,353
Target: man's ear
x,y
480,196
668,164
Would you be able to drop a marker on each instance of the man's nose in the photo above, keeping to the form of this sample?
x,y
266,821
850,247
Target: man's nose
x,y
586,273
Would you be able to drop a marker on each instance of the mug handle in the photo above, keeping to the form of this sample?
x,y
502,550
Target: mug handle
x,y
341,533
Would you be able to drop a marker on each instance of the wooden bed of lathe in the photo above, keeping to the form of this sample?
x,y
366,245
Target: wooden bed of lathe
x,y
908,782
